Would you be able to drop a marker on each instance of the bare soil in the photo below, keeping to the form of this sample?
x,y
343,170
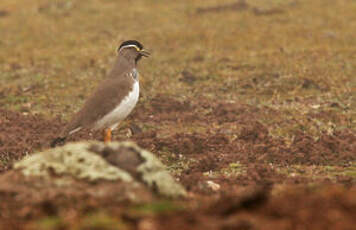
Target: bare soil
x,y
253,194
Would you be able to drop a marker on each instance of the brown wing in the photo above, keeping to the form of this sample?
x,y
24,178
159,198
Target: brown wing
x,y
104,100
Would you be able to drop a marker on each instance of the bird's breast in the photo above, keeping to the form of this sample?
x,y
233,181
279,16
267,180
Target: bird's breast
x,y
122,110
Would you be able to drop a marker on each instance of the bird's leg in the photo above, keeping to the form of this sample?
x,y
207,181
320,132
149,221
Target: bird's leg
x,y
107,135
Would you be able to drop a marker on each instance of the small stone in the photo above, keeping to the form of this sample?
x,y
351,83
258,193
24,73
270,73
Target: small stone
x,y
214,186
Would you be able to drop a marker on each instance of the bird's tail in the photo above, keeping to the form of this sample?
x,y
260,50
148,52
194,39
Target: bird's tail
x,y
58,141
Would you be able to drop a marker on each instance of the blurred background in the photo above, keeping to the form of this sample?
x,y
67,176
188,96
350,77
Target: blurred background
x,y
249,103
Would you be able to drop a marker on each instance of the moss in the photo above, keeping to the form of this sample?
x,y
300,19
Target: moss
x,y
50,223
72,159
159,207
103,221
234,169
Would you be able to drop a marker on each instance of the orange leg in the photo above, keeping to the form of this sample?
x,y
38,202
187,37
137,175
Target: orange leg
x,y
107,135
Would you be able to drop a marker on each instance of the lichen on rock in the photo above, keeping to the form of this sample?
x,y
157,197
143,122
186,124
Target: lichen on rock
x,y
93,161
73,159
155,175
143,166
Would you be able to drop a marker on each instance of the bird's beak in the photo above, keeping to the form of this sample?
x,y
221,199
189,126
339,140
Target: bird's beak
x,y
145,53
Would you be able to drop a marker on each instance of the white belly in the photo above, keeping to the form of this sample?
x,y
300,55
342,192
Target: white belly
x,y
112,119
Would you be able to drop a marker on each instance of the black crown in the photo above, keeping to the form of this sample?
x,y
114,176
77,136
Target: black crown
x,y
131,42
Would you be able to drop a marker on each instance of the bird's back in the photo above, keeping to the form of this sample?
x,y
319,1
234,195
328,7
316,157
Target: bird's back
x,y
105,99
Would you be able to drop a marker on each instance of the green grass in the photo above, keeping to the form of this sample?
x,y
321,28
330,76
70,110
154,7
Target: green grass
x,y
318,172
50,223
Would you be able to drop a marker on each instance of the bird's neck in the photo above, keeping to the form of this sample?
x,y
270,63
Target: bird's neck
x,y
127,61
121,65
128,56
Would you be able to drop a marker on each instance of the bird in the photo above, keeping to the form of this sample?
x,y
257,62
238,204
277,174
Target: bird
x,y
114,98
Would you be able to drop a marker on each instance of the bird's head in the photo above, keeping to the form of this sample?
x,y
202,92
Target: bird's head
x,y
132,50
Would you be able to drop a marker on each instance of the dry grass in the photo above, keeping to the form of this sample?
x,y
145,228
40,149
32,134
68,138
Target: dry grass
x,y
294,56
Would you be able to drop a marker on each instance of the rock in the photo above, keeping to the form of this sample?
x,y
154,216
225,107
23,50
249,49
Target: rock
x,y
213,186
73,159
96,161
142,165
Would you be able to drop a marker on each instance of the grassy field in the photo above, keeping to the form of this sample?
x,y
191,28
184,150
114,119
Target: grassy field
x,y
285,67
53,52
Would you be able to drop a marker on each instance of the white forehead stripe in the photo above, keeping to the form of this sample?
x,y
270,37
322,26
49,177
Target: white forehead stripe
x,y
127,46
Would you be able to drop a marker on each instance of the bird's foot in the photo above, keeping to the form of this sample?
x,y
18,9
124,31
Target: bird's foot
x,y
107,135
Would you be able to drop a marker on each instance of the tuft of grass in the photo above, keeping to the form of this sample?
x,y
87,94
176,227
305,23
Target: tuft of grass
x,y
49,223
351,171
318,172
101,220
156,208
234,169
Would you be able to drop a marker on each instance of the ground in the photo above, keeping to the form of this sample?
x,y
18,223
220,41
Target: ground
x,y
250,105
